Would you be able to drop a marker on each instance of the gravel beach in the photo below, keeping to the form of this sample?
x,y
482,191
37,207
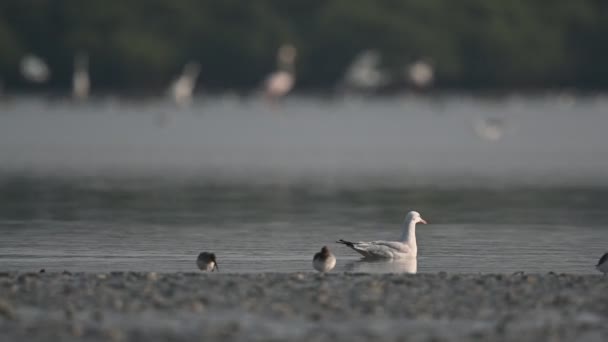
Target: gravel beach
x,y
135,306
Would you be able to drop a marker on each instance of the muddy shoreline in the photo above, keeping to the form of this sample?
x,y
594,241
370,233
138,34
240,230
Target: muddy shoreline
x,y
139,306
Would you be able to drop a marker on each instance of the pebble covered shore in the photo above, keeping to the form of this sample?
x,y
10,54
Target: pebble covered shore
x,y
134,306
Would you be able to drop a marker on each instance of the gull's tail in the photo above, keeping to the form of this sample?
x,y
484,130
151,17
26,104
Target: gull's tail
x,y
348,243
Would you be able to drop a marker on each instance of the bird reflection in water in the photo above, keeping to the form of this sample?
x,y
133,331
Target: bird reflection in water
x,y
407,265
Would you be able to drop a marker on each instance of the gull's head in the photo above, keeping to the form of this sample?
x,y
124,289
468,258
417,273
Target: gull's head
x,y
414,216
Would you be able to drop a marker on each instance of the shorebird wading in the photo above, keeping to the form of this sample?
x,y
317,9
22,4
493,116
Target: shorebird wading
x,y
405,247
81,83
281,82
324,261
206,262
602,265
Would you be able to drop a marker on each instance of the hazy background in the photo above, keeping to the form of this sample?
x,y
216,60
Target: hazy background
x,y
139,45
135,134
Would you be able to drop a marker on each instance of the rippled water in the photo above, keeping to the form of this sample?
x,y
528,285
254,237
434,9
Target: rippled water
x,y
146,186
101,226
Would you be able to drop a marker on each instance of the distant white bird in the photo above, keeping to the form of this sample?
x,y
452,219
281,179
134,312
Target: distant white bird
x,y
602,265
489,128
364,73
81,84
34,69
324,261
421,74
405,247
278,84
182,88
281,82
207,262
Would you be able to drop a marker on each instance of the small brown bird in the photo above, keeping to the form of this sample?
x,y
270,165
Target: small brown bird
x,y
206,262
324,261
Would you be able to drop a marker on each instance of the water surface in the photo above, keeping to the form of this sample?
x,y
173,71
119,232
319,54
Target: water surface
x,y
116,185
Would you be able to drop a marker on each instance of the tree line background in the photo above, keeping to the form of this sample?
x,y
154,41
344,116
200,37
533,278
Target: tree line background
x,y
472,43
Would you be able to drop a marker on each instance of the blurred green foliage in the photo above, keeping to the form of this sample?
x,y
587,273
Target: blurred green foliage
x,y
472,43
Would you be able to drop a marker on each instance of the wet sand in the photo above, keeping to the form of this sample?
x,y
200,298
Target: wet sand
x,y
135,306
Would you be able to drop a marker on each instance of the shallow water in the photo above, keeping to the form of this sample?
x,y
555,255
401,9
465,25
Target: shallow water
x,y
147,186
84,226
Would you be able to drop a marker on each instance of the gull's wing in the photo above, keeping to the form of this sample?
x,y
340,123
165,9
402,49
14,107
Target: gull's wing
x,y
380,249
393,245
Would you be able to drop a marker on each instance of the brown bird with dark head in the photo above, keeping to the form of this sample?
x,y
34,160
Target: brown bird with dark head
x,y
324,261
206,262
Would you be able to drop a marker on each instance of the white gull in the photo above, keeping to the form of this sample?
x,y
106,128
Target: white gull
x,y
404,248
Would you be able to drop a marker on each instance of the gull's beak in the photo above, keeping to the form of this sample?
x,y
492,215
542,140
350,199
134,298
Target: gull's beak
x,y
422,220
215,267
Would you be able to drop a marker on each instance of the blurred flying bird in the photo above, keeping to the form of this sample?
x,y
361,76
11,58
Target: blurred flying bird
x,y
34,69
489,128
364,73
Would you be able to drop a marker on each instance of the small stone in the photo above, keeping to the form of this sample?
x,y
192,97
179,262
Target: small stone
x,y
116,335
197,307
118,304
315,316
282,309
69,313
77,330
6,310
322,298
97,315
